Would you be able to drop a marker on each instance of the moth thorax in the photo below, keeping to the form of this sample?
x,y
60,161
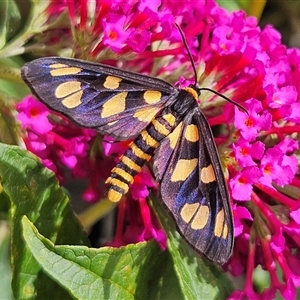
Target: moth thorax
x,y
185,102
193,92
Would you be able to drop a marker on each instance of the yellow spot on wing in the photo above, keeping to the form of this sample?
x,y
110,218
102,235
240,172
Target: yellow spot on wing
x,y
174,135
188,210
65,71
112,82
152,97
225,232
71,92
145,114
112,123
208,174
67,88
191,133
183,169
219,225
201,218
114,105
73,100
139,152
56,66
170,119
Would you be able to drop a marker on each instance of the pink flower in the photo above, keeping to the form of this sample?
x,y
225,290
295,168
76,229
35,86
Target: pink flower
x,y
253,122
136,223
139,188
242,184
115,34
33,116
275,163
246,153
58,143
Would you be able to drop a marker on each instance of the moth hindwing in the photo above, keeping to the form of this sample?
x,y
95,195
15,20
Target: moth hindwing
x,y
165,123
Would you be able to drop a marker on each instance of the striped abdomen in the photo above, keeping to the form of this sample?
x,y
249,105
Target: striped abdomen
x,y
139,152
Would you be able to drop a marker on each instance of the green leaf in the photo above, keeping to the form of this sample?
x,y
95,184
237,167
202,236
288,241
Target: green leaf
x,y
4,204
11,83
9,20
43,270
34,191
12,89
35,23
5,271
130,272
8,132
198,278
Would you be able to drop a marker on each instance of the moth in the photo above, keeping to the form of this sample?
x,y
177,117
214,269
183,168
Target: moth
x,y
165,123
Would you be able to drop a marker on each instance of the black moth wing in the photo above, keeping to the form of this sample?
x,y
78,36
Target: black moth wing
x,y
115,102
193,187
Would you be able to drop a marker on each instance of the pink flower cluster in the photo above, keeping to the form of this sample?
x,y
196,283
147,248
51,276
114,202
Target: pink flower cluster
x,y
59,143
234,57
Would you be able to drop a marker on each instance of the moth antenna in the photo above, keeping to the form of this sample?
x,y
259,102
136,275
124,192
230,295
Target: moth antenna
x,y
226,98
195,73
188,51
